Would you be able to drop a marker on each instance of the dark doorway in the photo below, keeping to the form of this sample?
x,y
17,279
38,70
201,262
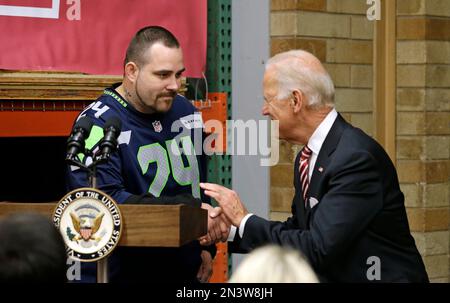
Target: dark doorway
x,y
32,169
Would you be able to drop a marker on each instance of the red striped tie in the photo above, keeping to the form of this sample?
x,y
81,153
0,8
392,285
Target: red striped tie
x,y
303,170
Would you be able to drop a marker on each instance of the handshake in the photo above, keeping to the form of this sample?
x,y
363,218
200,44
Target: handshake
x,y
230,212
218,226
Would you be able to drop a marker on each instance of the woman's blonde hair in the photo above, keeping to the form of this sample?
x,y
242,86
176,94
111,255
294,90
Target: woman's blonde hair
x,y
274,264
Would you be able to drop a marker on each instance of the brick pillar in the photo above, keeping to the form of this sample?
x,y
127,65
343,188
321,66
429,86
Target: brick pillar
x,y
423,126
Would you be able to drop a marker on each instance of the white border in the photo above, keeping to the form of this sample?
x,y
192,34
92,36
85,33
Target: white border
x,y
29,11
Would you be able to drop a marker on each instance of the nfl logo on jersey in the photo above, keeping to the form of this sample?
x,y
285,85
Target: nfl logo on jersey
x,y
157,126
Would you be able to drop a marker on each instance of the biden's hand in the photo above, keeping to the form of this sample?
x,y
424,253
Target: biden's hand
x,y
228,200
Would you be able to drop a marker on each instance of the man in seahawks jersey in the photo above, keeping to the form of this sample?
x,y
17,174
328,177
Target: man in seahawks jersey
x,y
157,160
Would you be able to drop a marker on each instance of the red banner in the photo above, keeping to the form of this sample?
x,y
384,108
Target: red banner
x,y
91,36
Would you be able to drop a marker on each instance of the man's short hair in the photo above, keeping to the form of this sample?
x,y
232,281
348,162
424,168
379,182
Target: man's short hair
x,y
31,250
144,39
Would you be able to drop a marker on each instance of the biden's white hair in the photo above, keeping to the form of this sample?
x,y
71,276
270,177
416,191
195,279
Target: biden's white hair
x,y
292,72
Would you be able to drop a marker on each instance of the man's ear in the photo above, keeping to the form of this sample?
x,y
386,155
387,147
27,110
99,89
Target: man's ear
x,y
131,71
297,100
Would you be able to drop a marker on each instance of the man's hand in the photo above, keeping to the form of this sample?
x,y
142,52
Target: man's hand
x,y
205,270
229,202
225,227
218,226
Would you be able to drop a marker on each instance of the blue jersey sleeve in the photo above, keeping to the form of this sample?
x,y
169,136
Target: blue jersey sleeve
x,y
109,177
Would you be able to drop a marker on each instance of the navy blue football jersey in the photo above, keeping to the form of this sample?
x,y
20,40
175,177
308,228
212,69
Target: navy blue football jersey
x,y
158,154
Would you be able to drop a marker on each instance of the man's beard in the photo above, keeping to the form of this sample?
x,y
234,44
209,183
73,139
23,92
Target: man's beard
x,y
166,95
161,95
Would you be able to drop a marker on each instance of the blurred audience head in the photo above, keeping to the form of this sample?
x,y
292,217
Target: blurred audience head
x,y
274,264
31,250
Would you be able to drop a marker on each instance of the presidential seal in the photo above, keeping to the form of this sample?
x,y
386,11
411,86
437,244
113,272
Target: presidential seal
x,y
90,223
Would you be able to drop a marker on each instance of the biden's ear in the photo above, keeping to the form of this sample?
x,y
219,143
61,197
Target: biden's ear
x,y
298,100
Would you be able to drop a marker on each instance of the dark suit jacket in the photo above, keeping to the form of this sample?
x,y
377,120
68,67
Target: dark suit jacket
x,y
360,214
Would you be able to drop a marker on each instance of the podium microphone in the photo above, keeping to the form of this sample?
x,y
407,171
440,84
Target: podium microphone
x,y
81,130
109,142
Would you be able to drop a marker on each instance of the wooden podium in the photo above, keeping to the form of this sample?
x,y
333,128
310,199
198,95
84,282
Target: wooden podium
x,y
143,225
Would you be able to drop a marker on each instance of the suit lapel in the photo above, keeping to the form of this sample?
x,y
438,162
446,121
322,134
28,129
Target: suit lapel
x,y
324,158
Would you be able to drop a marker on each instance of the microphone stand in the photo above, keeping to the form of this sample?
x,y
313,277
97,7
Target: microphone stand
x,y
91,169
